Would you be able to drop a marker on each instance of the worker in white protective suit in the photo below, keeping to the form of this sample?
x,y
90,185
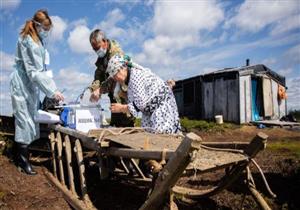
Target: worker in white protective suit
x,y
27,79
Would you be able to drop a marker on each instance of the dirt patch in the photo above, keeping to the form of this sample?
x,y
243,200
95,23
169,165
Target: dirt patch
x,y
20,191
281,166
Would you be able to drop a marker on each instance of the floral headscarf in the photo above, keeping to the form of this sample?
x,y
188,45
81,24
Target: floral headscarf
x,y
116,62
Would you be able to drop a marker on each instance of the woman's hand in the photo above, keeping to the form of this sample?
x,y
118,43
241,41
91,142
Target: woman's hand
x,y
59,96
95,96
117,108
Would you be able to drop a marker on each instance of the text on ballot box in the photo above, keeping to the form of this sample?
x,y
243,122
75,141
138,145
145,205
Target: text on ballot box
x,y
89,118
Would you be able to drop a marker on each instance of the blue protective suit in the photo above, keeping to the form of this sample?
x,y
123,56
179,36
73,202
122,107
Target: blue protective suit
x,y
27,79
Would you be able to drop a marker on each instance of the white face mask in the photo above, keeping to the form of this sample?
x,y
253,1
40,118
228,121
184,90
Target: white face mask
x,y
101,52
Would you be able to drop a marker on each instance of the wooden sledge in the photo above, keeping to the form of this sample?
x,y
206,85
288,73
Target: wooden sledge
x,y
177,155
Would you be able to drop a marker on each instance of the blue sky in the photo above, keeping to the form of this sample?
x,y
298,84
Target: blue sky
x,y
176,39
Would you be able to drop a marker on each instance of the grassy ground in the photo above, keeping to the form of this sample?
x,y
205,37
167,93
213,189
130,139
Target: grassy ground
x,y
206,126
202,125
285,145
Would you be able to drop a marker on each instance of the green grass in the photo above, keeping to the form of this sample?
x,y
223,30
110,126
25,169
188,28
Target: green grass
x,y
200,125
138,122
285,145
203,125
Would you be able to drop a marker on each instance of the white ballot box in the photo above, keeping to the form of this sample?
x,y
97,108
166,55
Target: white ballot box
x,y
87,118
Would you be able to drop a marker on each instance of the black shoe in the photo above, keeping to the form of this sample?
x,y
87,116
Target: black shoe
x,y
23,161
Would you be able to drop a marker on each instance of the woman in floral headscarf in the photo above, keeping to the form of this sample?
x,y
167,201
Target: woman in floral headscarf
x,y
147,93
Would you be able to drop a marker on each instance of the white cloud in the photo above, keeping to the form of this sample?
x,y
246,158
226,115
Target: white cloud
x,y
292,55
72,81
78,39
219,56
158,50
59,27
5,104
176,26
293,93
81,21
174,18
6,66
71,77
285,25
9,4
269,61
109,25
285,72
253,16
6,61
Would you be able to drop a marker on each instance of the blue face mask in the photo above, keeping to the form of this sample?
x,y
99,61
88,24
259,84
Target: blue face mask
x,y
43,34
101,52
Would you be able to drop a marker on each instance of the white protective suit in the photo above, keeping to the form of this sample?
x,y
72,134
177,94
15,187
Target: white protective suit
x,y
27,79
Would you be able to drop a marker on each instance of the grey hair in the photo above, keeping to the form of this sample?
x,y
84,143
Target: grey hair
x,y
97,35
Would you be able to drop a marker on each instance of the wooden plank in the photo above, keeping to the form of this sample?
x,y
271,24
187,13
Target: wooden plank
x,y
275,99
220,97
276,123
168,177
88,142
232,101
154,141
136,153
245,99
259,199
100,132
207,160
228,145
267,97
208,100
71,198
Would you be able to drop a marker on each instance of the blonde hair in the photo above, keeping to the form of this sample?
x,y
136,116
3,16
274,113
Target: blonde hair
x,y
41,16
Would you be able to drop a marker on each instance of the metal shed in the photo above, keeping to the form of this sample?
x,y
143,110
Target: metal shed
x,y
241,95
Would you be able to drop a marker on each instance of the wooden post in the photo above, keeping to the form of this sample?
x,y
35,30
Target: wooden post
x,y
257,144
168,177
52,145
68,153
59,157
81,168
258,198
71,198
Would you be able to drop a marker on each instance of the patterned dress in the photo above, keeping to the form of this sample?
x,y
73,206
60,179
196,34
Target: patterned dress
x,y
153,97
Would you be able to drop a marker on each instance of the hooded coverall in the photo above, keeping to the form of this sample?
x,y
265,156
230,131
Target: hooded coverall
x,y
27,79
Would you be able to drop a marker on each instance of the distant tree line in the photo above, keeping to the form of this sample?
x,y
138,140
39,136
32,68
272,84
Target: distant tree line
x,y
295,113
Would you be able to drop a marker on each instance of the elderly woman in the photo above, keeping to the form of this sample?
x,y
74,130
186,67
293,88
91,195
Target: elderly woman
x,y
147,93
